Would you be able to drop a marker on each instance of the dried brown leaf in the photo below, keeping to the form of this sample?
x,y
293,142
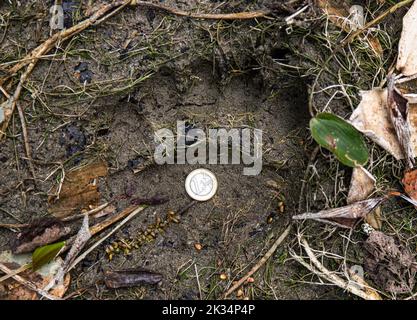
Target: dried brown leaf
x,y
39,233
371,117
410,183
345,217
79,190
407,47
362,184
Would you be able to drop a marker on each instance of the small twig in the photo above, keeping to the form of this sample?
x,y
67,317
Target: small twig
x,y
95,245
261,262
10,105
15,272
28,284
97,228
198,281
210,16
28,149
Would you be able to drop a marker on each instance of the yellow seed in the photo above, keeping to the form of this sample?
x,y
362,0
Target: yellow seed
x,y
281,207
270,220
223,276
239,293
198,246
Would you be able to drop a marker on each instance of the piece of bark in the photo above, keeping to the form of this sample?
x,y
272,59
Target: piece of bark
x,y
80,241
39,233
79,190
130,278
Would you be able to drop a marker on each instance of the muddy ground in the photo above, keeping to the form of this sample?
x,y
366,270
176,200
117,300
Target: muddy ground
x,y
144,70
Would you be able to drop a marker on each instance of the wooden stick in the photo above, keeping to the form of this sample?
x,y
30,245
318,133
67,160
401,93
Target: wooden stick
x,y
260,262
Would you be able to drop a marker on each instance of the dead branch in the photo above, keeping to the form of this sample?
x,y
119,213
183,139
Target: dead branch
x,y
261,262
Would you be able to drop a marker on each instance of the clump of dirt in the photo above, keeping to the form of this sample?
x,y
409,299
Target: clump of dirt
x,y
390,265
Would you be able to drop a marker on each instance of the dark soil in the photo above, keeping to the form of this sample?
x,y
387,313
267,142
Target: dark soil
x,y
107,91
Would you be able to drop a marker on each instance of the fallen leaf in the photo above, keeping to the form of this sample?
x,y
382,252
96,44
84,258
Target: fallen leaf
x,y
407,47
371,117
362,184
12,290
410,183
79,190
398,111
392,267
39,233
345,217
130,278
46,254
348,19
340,137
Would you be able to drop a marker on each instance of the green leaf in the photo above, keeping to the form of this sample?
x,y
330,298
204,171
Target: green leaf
x,y
341,138
46,254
